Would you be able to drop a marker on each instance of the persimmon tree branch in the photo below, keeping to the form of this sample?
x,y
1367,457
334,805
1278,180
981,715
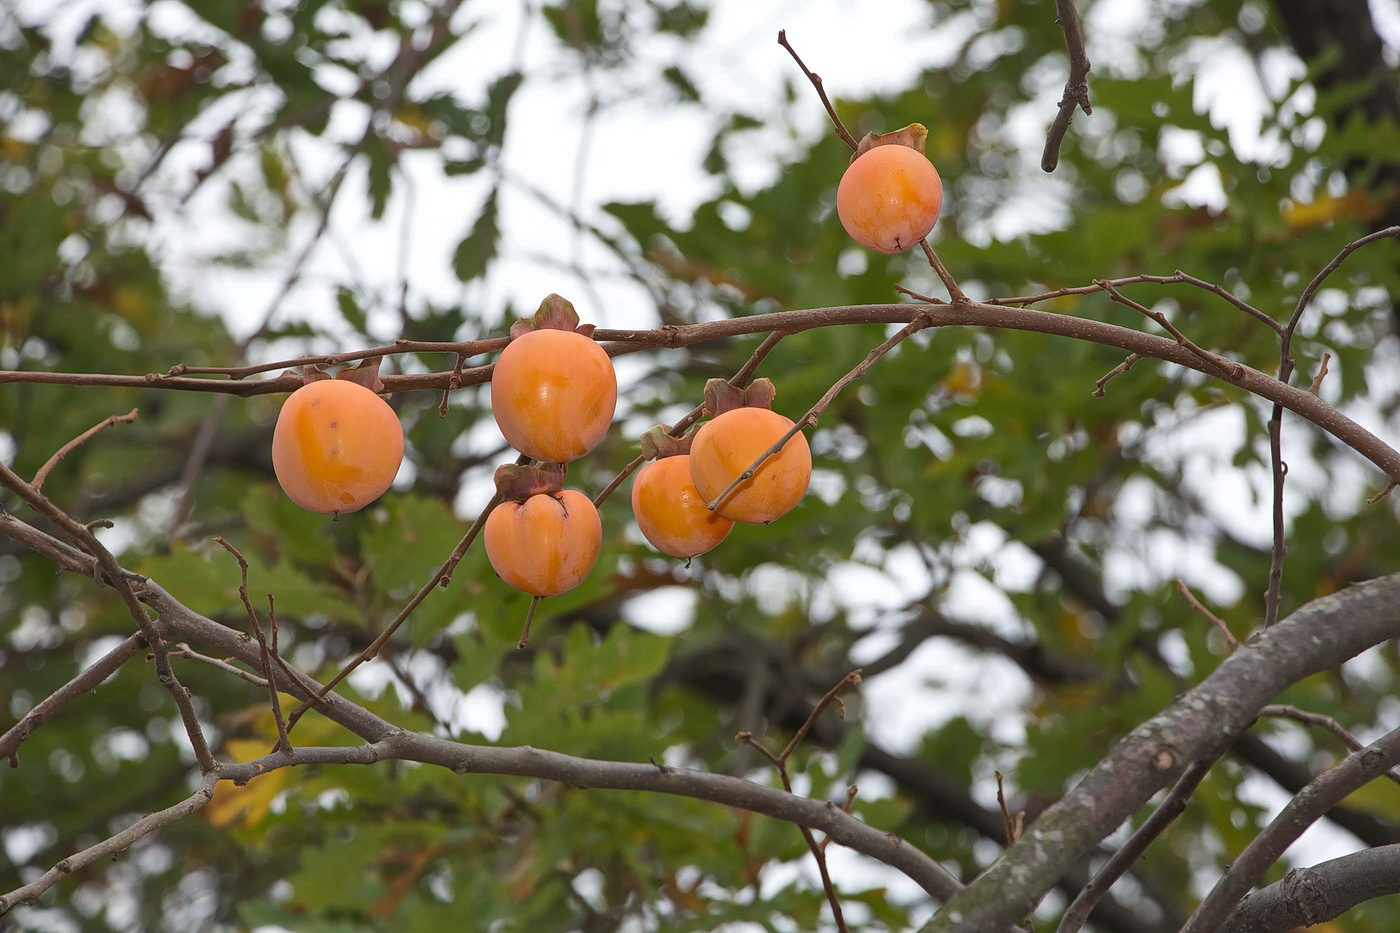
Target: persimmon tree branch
x,y
1309,896
107,568
960,314
1076,94
88,679
1200,724
109,847
386,740
1329,788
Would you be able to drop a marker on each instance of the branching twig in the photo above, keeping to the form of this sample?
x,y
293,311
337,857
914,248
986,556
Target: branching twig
x,y
43,471
779,762
283,742
1306,807
1076,94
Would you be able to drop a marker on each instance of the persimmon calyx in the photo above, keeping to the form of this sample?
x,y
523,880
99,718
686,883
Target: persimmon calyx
x,y
658,443
722,396
517,482
365,373
915,136
554,313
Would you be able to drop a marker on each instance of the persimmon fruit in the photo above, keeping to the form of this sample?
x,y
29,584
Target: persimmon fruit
x,y
672,513
546,544
728,444
889,198
553,393
336,447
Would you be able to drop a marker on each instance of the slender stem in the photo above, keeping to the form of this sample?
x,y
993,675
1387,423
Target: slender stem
x,y
1122,861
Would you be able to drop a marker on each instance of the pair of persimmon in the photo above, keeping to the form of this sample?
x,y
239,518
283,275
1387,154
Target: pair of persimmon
x,y
747,464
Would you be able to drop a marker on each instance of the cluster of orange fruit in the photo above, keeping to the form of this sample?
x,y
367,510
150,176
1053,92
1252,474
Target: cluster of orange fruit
x,y
337,444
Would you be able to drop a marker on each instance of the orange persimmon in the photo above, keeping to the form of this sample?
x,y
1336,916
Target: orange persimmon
x,y
336,447
889,198
671,512
553,390
546,544
729,444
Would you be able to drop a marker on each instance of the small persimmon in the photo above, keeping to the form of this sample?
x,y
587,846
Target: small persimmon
x,y
553,390
889,198
546,544
670,511
336,447
732,442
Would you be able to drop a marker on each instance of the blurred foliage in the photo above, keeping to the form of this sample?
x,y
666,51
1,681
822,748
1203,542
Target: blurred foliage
x,y
971,476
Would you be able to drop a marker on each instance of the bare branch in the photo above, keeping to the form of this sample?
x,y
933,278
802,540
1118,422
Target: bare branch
x,y
1200,724
1309,896
1302,811
43,471
47,708
119,579
1076,94
108,847
816,80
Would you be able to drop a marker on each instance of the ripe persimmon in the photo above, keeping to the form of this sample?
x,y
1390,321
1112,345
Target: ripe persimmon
x,y
671,512
546,544
889,198
336,447
553,391
729,444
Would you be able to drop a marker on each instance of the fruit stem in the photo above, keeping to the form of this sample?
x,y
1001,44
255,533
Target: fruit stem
x,y
529,618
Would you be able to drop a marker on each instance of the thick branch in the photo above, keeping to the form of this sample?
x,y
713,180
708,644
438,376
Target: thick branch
x,y
1201,723
1308,896
1327,789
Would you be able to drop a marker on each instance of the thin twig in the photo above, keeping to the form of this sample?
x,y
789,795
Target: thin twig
x,y
1101,383
1326,722
1321,374
283,742
1222,366
43,471
89,679
816,80
1215,620
1014,824
118,842
1122,861
529,618
779,762
1076,94
187,653
1278,550
946,277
